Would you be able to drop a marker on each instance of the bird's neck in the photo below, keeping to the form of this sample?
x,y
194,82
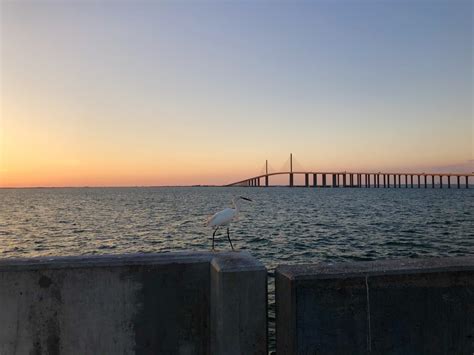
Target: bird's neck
x,y
236,205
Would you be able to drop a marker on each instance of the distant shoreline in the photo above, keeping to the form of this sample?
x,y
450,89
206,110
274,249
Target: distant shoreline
x,y
174,186
102,187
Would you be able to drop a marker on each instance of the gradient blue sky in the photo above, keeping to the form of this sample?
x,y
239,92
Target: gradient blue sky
x,y
131,93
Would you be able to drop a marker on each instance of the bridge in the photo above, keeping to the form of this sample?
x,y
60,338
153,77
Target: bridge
x,y
357,179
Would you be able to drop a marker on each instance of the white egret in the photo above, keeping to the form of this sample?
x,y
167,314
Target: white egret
x,y
224,217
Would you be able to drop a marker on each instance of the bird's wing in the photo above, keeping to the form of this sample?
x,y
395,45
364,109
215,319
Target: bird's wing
x,y
221,218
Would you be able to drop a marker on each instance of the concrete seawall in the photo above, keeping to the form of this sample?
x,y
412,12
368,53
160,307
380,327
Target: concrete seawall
x,y
171,303
387,307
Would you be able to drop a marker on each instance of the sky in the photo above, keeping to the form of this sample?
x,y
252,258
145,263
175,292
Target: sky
x,y
133,93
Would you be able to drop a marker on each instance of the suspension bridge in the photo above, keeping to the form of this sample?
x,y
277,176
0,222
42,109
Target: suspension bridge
x,y
353,179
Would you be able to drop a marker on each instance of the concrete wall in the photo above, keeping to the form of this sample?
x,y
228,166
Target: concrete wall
x,y
172,303
388,307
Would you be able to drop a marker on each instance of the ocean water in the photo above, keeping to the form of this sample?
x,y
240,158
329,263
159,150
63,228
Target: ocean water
x,y
282,225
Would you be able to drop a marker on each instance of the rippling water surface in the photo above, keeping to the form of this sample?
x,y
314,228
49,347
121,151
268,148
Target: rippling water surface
x,y
282,225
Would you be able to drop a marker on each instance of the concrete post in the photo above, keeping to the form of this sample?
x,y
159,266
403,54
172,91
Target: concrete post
x,y
238,306
324,180
406,181
426,181
467,182
315,180
306,180
344,182
266,181
432,182
399,181
449,181
334,184
459,182
291,180
441,181
418,176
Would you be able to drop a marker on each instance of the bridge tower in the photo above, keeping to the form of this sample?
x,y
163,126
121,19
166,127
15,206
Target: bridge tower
x,y
291,169
266,173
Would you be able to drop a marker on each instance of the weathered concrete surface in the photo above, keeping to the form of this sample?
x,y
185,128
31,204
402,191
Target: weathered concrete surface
x,y
133,304
238,306
388,307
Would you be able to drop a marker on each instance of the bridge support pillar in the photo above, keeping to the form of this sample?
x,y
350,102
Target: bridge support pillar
x,y
334,180
426,181
315,180
467,182
351,180
432,182
418,177
266,180
306,180
324,180
291,179
399,181
449,181
344,182
441,181
384,181
406,181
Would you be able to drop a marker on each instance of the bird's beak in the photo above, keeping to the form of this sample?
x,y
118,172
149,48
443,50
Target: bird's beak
x,y
246,198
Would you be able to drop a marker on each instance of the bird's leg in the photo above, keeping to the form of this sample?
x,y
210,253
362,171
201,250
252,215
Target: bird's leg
x,y
213,235
228,237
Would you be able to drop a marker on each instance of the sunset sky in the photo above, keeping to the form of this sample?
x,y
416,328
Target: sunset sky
x,y
202,92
